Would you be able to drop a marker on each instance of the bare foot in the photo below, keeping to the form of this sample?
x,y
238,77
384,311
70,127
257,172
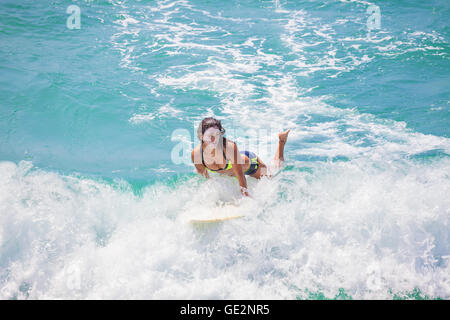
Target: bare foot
x,y
282,136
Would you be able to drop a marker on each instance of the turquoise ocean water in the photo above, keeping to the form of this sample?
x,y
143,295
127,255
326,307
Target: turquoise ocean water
x,y
98,112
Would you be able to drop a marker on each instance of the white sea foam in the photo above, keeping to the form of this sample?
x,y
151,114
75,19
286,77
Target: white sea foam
x,y
375,225
373,228
141,118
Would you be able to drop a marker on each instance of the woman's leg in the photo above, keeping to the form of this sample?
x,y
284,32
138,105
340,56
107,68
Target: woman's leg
x,y
263,170
279,155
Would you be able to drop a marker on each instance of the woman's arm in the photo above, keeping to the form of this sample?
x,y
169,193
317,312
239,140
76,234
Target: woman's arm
x,y
198,166
238,168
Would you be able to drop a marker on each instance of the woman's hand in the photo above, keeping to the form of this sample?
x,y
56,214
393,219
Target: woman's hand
x,y
244,191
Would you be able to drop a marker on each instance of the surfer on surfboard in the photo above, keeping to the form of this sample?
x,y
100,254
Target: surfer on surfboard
x,y
215,153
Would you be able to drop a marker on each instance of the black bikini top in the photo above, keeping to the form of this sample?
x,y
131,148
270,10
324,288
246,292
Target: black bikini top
x,y
227,165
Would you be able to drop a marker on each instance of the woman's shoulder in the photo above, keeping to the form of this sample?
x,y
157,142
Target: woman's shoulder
x,y
196,152
231,148
229,142
197,148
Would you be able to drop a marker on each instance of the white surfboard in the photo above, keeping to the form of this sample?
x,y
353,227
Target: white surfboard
x,y
214,220
221,212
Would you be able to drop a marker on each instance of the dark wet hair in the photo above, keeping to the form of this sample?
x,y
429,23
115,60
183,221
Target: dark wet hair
x,y
209,123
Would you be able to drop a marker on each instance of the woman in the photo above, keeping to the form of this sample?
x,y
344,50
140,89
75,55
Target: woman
x,y
218,154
